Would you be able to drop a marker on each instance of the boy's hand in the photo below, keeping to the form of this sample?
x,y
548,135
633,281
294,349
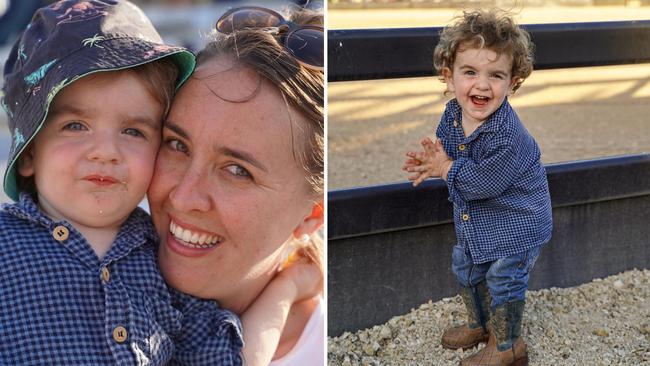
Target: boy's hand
x,y
432,162
418,162
415,159
264,320
303,275
441,159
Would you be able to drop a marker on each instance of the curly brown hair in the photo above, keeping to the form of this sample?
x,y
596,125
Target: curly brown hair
x,y
493,29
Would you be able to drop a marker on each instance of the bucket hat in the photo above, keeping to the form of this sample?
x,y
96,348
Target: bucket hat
x,y
64,42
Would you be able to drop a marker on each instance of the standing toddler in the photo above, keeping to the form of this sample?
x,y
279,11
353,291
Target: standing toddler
x,y
495,178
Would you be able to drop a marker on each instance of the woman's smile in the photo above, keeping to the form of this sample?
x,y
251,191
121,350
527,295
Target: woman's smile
x,y
188,241
193,238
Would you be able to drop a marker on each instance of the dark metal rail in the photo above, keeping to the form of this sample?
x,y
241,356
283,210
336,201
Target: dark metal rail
x,y
408,52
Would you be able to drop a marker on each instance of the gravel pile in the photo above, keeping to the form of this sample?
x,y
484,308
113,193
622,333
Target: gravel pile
x,y
604,322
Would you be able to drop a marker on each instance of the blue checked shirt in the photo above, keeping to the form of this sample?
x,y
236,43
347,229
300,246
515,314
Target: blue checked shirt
x,y
497,184
61,305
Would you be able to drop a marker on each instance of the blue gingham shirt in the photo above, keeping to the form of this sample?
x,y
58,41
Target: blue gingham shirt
x,y
61,305
497,184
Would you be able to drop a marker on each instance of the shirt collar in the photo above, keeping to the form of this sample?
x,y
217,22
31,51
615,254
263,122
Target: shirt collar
x,y
27,209
492,124
136,230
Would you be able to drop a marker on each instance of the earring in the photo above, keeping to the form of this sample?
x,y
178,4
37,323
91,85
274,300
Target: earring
x,y
304,239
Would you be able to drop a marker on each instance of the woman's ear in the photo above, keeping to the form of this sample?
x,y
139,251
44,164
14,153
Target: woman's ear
x,y
311,222
26,163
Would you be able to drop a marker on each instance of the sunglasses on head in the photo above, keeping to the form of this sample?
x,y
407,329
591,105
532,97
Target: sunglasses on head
x,y
304,42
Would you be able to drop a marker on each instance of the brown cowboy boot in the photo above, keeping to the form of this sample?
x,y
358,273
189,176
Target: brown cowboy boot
x,y
477,301
505,347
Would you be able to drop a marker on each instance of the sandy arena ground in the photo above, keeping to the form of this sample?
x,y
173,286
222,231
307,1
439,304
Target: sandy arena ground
x,y
572,113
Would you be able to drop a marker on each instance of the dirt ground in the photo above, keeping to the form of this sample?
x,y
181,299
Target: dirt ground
x,y
573,114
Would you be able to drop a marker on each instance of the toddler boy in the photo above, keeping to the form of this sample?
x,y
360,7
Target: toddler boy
x,y
496,181
86,88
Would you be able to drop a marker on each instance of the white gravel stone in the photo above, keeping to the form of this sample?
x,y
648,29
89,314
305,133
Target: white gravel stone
x,y
385,332
604,322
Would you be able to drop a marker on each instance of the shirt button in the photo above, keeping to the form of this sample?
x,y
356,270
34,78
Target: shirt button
x,y
60,233
455,123
120,334
465,217
461,147
106,275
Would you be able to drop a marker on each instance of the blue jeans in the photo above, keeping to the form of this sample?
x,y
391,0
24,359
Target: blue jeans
x,y
507,278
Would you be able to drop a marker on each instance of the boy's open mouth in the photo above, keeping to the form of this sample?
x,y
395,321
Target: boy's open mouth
x,y
480,100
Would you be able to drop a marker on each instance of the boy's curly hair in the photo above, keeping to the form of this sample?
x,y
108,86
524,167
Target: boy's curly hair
x,y
492,29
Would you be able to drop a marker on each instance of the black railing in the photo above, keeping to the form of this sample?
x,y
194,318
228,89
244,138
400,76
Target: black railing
x,y
408,52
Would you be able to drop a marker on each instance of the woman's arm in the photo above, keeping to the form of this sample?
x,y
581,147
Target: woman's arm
x,y
264,320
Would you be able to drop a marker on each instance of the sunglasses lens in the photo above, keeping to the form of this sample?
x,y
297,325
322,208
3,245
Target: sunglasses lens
x,y
307,45
247,18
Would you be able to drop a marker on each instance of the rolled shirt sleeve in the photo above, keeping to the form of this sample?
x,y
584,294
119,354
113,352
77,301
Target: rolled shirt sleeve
x,y
470,180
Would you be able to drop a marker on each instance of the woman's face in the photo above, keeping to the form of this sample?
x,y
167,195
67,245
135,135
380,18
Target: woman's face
x,y
227,192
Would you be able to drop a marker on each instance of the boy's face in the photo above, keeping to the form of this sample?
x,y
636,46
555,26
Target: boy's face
x,y
480,80
93,159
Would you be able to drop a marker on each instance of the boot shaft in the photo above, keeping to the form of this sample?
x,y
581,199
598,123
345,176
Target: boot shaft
x,y
477,301
506,323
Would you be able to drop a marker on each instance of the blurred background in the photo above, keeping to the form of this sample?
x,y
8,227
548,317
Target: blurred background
x,y
179,22
373,4
574,114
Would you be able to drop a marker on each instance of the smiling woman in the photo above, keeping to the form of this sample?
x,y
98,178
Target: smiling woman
x,y
239,178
